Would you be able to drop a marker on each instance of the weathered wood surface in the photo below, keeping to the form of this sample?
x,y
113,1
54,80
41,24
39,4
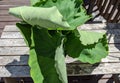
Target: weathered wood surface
x,y
107,9
14,2
14,54
8,18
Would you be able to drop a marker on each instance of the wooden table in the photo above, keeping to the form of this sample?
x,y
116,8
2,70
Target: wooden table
x,y
14,53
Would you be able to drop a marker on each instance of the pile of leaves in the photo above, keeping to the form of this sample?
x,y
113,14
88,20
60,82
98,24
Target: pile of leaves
x,y
49,28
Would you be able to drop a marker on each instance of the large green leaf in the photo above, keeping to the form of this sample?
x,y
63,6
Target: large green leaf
x,y
89,37
72,11
91,53
68,14
43,17
42,33
33,62
25,30
49,51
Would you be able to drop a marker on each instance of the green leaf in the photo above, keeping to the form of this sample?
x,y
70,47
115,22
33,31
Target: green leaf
x,y
71,10
33,2
25,30
60,63
89,37
91,53
33,62
94,54
49,52
43,17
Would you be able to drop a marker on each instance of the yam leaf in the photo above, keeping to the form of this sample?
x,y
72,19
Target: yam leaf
x,y
44,17
91,53
60,63
53,14
89,37
32,2
48,49
71,10
35,71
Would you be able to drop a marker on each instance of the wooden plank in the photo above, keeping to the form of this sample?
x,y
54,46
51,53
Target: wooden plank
x,y
17,34
6,7
22,60
114,48
1,31
91,6
111,58
14,60
24,50
72,69
14,50
20,41
87,69
8,18
14,2
112,35
108,6
14,71
12,42
10,28
117,16
3,24
95,26
113,9
10,50
17,46
11,35
3,12
100,26
103,7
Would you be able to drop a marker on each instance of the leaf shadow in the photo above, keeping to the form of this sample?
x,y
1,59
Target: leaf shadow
x,y
113,32
18,67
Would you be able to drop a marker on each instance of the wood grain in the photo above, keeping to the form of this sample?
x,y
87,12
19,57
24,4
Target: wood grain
x,y
22,60
72,69
14,2
14,54
8,18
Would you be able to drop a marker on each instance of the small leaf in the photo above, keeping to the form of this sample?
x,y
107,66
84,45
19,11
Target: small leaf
x,y
60,63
